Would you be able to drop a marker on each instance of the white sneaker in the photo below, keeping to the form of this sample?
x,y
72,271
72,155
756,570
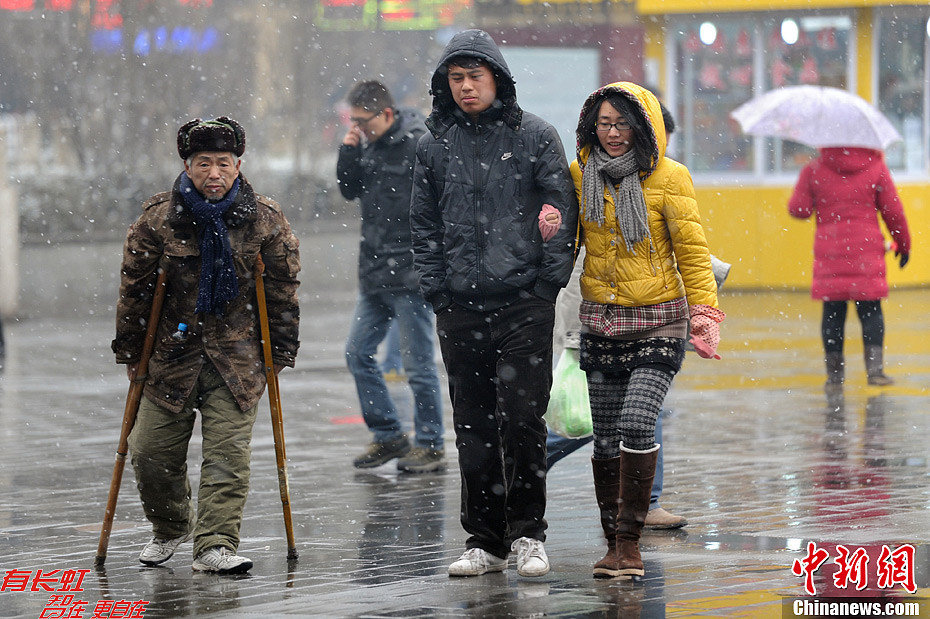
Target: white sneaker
x,y
159,550
475,562
531,557
221,560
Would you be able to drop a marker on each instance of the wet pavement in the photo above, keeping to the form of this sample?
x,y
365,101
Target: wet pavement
x,y
756,459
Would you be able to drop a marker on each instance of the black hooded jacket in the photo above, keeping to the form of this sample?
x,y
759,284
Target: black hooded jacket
x,y
380,175
478,190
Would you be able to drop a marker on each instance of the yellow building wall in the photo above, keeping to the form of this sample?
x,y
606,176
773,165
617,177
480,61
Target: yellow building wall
x,y
750,228
864,42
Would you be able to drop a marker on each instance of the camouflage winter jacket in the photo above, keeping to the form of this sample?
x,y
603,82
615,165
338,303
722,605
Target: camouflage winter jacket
x,y
165,234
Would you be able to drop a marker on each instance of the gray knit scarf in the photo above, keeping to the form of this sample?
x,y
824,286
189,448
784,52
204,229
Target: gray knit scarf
x,y
629,204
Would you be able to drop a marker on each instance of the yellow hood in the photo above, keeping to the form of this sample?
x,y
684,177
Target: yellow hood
x,y
644,100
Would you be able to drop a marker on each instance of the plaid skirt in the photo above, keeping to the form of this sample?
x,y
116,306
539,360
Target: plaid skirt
x,y
601,354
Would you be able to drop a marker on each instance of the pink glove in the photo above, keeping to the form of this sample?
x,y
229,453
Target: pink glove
x,y
705,332
549,225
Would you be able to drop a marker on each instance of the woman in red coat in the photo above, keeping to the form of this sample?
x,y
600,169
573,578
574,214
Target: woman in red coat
x,y
845,186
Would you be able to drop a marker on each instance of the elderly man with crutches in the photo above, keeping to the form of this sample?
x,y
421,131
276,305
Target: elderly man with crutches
x,y
212,235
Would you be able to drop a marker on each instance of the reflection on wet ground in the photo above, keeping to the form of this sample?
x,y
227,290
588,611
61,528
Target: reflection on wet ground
x,y
757,459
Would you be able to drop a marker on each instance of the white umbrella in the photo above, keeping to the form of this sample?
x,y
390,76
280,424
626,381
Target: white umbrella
x,y
817,116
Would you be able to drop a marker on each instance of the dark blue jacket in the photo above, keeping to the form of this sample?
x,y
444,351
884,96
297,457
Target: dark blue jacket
x,y
478,190
380,175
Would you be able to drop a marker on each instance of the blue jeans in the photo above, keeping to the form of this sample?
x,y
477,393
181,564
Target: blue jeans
x,y
392,361
374,314
557,447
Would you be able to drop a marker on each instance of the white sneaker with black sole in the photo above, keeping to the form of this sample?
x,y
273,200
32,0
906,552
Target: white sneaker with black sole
x,y
475,562
531,557
221,560
160,550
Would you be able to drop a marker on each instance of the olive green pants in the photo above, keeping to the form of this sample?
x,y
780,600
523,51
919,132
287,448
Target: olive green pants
x,y
158,445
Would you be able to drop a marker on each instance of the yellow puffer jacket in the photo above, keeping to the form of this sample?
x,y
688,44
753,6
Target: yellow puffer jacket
x,y
676,263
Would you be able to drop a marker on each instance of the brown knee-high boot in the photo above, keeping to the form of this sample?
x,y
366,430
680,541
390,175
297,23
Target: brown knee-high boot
x,y
607,491
637,470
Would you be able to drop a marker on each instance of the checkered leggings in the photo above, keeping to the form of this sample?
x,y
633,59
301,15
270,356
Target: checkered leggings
x,y
624,407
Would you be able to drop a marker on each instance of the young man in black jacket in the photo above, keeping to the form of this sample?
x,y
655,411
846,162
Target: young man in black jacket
x,y
486,177
376,166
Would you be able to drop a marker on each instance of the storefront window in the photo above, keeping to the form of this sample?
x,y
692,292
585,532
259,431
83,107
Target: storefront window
x,y
902,82
715,66
817,53
723,62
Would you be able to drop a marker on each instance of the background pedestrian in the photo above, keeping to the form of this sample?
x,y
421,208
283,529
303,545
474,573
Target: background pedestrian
x,y
375,166
847,188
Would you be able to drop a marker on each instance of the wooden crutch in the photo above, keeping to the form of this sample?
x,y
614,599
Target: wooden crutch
x,y
129,416
274,399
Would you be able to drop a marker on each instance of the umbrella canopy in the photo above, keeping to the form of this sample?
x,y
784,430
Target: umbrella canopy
x,y
818,116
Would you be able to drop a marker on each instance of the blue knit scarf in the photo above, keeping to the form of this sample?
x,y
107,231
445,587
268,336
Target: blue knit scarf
x,y
218,281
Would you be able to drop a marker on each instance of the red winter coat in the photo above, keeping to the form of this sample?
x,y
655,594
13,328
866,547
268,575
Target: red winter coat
x,y
846,186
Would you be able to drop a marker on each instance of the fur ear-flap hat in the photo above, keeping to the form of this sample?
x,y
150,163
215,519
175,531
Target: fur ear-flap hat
x,y
222,135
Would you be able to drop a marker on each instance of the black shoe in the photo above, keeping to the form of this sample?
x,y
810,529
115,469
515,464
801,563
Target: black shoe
x,y
380,453
422,460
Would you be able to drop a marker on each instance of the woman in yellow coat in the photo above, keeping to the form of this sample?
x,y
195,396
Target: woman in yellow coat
x,y
647,274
